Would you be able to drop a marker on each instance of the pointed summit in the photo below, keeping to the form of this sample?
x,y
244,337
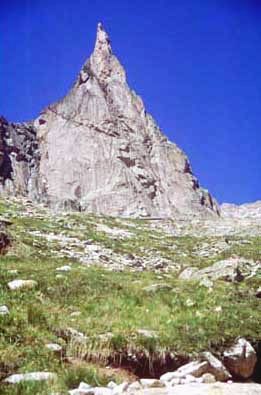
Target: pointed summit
x,y
103,64
103,43
112,157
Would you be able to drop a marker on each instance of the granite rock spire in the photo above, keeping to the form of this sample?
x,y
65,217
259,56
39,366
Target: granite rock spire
x,y
98,150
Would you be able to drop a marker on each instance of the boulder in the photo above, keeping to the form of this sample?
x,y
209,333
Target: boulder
x,y
188,273
151,383
216,367
4,310
231,269
189,379
134,387
147,333
194,368
208,378
240,359
102,391
119,389
111,385
173,382
21,284
56,348
83,389
33,376
65,268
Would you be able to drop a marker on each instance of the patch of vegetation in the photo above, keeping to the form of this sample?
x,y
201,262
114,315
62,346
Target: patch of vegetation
x,y
108,307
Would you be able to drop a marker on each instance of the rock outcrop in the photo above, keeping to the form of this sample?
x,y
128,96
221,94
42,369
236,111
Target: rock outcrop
x,y
4,242
98,150
19,160
247,210
233,269
241,359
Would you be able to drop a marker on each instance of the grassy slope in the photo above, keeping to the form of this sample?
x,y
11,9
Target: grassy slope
x,y
187,319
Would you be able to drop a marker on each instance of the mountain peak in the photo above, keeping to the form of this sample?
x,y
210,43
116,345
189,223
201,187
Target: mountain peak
x,y
112,157
102,43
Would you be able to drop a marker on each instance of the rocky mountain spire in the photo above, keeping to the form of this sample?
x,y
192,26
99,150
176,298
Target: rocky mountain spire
x,y
102,43
100,151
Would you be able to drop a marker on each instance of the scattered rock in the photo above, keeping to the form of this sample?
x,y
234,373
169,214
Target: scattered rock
x,y
83,389
175,381
102,391
115,232
135,386
208,378
157,287
147,333
194,368
168,377
54,347
111,385
232,269
151,383
188,379
65,268
206,282
78,391
22,284
188,273
240,359
119,389
75,314
216,367
74,336
4,310
33,376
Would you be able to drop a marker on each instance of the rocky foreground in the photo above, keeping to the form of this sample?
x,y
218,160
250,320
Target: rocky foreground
x,y
208,389
105,306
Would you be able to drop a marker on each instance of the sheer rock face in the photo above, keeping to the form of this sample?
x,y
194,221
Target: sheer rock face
x,y
19,160
101,152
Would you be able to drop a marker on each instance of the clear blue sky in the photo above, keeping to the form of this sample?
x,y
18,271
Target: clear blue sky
x,y
196,64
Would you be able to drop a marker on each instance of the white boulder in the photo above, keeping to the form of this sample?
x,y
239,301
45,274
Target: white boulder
x,y
21,284
4,310
33,376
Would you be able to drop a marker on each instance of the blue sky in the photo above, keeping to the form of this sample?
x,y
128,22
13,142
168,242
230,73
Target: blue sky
x,y
196,64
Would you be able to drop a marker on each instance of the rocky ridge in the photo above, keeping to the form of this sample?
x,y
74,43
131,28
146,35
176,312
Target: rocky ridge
x,y
98,150
243,211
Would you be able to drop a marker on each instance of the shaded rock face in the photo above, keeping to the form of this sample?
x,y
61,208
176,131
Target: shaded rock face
x,y
19,160
4,242
241,359
100,151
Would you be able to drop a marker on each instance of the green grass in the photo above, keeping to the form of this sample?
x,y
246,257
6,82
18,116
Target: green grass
x,y
187,318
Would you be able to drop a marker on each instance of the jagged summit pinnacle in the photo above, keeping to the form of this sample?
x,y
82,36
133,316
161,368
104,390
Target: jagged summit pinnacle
x,y
102,42
98,150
